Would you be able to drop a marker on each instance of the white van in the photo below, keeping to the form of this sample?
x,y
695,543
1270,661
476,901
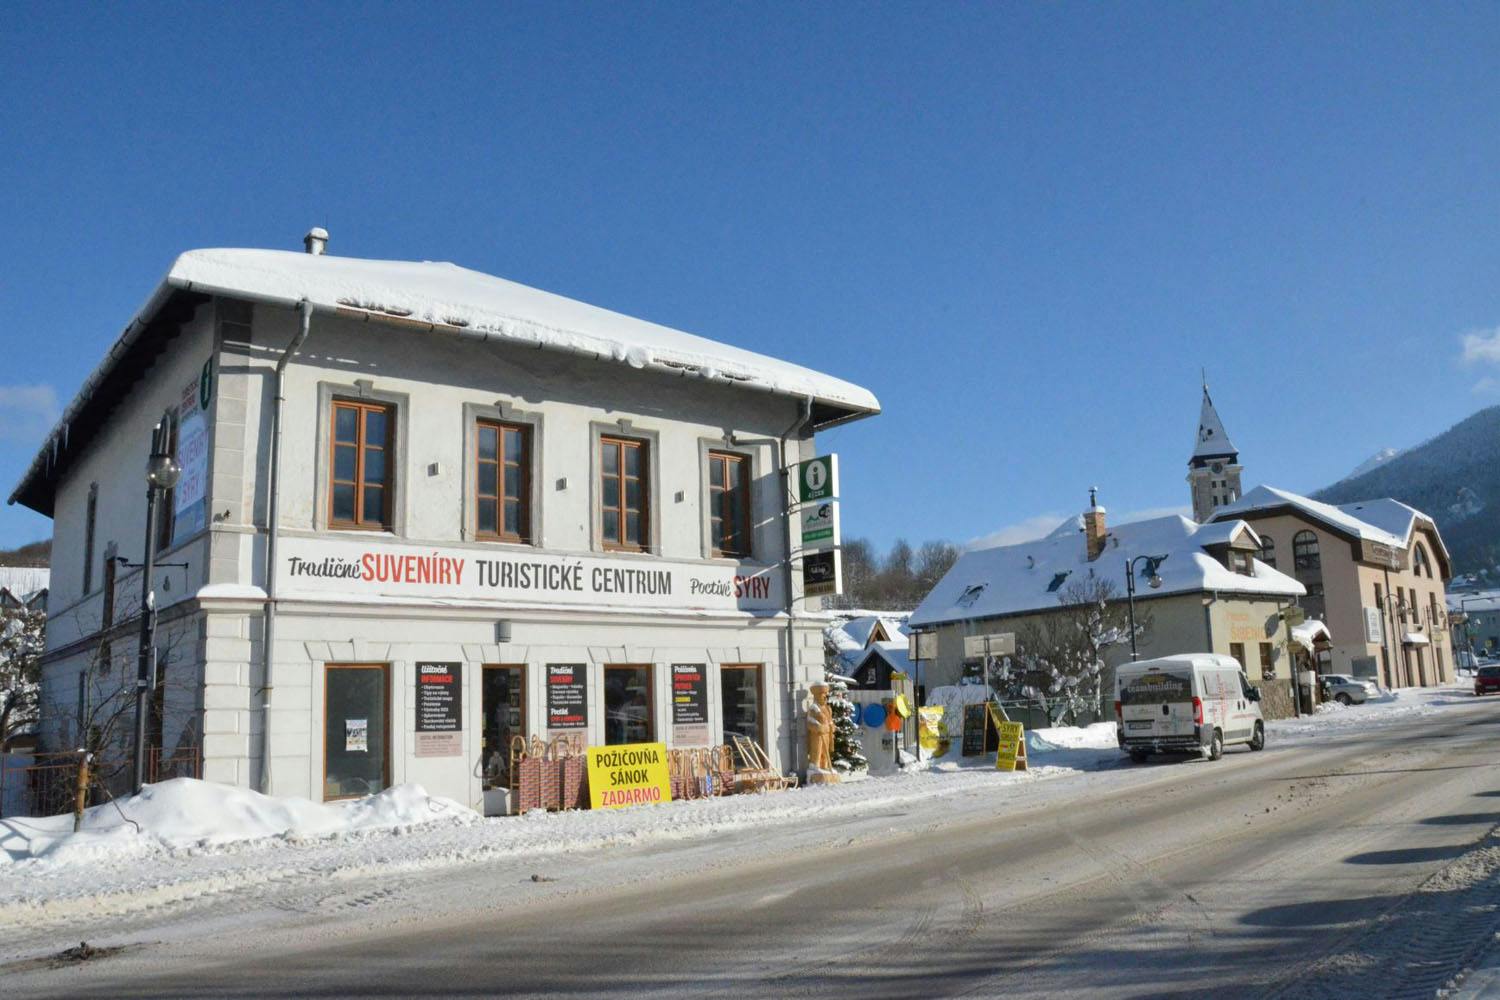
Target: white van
x,y
1191,703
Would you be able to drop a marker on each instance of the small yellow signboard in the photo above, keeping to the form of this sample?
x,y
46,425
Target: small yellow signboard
x,y
630,775
1010,755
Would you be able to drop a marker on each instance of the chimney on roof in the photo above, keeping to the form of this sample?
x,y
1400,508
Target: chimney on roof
x,y
1094,531
316,241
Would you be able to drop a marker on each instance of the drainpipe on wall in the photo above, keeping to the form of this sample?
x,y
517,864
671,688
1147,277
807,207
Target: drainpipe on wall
x,y
789,497
273,534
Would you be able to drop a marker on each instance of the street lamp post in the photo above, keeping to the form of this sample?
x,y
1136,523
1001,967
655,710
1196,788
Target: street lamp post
x,y
162,471
1153,579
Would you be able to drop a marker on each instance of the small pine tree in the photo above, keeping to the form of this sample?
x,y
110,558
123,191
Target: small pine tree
x,y
848,756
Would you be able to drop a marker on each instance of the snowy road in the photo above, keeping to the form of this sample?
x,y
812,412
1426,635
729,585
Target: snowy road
x,y
1355,864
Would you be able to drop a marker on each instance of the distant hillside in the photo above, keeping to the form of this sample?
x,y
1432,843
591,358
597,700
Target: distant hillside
x,y
35,554
1455,478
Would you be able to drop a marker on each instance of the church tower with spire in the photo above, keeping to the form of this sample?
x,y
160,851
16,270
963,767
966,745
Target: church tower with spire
x,y
1214,468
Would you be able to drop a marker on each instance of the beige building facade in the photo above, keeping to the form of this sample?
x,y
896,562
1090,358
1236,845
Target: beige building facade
x,y
1375,573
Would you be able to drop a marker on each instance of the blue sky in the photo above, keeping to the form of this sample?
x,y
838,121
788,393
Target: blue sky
x,y
1024,226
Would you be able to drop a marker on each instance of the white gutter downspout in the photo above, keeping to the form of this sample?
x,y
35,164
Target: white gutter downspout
x,y
273,535
789,496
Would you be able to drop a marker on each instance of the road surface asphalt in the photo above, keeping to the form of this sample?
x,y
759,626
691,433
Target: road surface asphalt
x,y
1363,864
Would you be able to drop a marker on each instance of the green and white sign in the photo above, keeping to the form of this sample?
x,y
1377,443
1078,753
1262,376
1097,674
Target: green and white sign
x,y
818,479
820,525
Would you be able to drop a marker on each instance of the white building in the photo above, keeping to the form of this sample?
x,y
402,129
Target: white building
x,y
497,512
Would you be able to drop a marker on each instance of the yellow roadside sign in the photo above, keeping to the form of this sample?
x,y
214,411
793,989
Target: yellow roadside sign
x,y
629,775
1011,753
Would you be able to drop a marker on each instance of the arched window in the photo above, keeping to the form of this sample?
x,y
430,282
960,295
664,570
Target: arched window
x,y
1419,564
1268,550
1305,551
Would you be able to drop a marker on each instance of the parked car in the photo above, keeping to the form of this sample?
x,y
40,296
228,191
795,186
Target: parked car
x,y
1487,680
1191,703
1346,690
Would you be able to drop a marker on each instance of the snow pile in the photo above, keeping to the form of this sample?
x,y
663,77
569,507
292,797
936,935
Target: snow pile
x,y
1387,708
185,814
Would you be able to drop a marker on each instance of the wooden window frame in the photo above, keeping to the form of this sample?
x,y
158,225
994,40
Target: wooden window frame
x,y
385,776
523,500
650,669
361,443
607,441
90,524
730,460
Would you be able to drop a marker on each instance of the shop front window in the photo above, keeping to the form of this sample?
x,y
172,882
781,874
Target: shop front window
x,y
739,689
627,705
503,701
356,730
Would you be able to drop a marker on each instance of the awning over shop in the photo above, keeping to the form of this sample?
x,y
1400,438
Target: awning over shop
x,y
1309,632
1414,639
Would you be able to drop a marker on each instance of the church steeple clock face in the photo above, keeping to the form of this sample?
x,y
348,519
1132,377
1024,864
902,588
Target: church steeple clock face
x,y
1218,468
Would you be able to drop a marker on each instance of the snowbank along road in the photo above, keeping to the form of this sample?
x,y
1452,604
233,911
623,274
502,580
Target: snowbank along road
x,y
1360,863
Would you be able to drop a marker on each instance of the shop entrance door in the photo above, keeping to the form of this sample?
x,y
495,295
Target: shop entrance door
x,y
503,700
740,698
356,729
628,713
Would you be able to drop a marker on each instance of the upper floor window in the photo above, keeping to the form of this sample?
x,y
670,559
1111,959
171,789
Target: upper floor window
x,y
729,504
1239,562
502,481
1305,551
360,487
1268,550
624,500
90,517
1420,566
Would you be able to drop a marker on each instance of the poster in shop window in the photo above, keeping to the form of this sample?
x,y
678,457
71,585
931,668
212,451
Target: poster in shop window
x,y
689,705
567,702
356,735
439,709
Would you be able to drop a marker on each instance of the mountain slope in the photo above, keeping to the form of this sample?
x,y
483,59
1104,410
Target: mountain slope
x,y
1375,461
1455,478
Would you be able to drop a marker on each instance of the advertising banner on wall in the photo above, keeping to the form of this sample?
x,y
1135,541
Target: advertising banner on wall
x,y
567,702
689,705
439,709
333,567
190,496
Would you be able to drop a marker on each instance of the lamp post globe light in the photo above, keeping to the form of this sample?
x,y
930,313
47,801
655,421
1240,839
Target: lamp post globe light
x,y
1153,580
162,473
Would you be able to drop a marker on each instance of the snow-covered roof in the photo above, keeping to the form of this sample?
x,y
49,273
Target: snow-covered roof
x,y
1309,632
850,636
456,300
24,582
1386,521
1227,533
1479,601
1030,576
475,304
895,653
1213,440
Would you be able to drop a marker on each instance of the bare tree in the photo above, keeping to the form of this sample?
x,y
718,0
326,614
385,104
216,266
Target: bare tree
x,y
1059,659
21,633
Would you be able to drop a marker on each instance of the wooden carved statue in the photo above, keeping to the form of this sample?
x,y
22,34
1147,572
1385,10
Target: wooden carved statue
x,y
820,738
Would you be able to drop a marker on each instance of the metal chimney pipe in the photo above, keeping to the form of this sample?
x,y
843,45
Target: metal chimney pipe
x,y
316,241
